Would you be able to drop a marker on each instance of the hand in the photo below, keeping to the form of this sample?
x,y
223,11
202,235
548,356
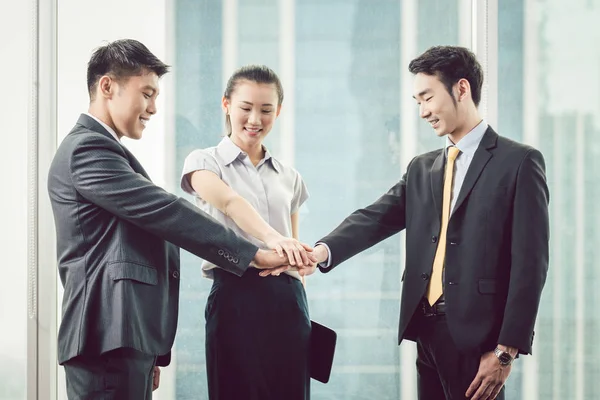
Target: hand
x,y
297,253
490,378
320,254
156,379
267,259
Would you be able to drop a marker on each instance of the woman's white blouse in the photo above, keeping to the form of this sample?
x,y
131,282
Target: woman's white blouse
x,y
273,189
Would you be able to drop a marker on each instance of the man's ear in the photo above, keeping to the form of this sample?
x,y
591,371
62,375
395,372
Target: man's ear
x,y
464,89
106,87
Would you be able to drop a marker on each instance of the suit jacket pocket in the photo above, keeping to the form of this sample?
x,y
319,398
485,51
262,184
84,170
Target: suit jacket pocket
x,y
119,270
487,286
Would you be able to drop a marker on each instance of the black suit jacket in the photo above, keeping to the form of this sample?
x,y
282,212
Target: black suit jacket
x,y
497,242
117,238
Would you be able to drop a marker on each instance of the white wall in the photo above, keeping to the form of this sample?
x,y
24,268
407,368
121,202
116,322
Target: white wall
x,y
144,20
14,70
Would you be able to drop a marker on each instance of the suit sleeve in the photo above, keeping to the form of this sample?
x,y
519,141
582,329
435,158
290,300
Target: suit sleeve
x,y
102,174
368,226
529,253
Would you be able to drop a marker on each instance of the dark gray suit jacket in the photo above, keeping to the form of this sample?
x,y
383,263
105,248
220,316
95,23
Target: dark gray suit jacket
x,y
497,242
117,240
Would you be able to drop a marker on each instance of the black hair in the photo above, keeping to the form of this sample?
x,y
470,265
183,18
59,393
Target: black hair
x,y
451,64
122,59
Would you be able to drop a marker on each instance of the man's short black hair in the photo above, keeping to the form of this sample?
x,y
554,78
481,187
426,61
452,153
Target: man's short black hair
x,y
451,64
122,59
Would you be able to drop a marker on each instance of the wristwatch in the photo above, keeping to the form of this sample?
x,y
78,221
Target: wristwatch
x,y
504,357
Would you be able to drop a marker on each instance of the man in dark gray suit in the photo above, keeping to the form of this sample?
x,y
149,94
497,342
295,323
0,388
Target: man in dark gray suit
x,y
118,236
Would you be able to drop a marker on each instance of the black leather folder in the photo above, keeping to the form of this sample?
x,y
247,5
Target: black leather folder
x,y
322,349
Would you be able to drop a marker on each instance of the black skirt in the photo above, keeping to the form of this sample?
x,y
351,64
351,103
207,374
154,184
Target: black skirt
x,y
257,338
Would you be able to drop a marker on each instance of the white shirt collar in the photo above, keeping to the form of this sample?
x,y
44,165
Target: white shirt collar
x,y
470,142
108,128
229,151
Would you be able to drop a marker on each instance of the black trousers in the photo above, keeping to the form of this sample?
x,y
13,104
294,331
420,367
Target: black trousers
x,y
257,338
443,372
116,375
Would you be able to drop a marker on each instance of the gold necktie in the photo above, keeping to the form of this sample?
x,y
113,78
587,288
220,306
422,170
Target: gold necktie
x,y
435,289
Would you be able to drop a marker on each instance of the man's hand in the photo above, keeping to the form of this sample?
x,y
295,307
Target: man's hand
x,y
490,378
156,379
268,259
319,255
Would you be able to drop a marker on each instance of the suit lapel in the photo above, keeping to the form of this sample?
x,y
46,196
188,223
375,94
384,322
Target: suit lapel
x,y
93,125
437,182
480,159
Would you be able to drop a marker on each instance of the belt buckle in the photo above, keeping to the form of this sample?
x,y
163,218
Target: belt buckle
x,y
428,311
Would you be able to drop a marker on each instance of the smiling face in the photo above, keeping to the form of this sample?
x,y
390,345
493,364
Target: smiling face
x,y
253,108
129,102
436,105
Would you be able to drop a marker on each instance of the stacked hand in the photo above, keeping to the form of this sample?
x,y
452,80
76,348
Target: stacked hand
x,y
297,253
317,255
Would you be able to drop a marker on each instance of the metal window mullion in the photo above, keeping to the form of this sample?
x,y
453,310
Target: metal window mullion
x,y
287,70
408,149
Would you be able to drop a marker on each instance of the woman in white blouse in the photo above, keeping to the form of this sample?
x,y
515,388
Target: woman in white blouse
x,y
257,329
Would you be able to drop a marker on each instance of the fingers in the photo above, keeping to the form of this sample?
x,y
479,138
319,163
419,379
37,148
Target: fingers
x,y
289,252
275,271
480,393
473,386
496,391
303,254
156,378
297,256
307,247
486,391
279,250
307,270
297,253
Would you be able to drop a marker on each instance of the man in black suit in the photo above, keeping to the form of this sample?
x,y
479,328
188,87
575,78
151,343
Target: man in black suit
x,y
118,236
476,220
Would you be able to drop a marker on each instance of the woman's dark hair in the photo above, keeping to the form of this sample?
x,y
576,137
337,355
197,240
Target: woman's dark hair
x,y
252,73
451,64
122,59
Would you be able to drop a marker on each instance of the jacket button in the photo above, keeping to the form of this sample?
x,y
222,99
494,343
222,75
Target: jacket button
x,y
176,274
433,239
425,276
220,252
235,260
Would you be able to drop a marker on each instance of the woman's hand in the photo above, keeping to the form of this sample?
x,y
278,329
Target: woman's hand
x,y
298,254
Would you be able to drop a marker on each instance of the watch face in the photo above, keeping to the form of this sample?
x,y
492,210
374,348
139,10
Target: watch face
x,y
505,358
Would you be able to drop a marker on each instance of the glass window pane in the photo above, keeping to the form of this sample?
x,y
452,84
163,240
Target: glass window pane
x,y
548,66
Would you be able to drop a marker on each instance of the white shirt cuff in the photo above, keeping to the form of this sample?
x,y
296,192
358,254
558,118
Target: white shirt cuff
x,y
325,264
